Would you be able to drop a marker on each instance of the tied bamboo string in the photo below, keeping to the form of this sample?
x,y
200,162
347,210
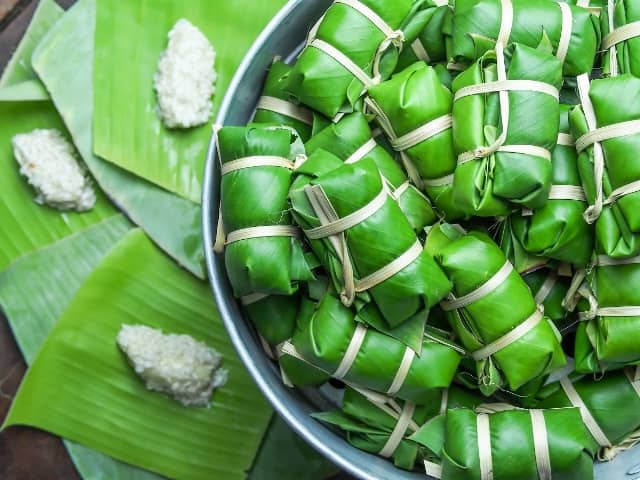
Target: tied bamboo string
x,y
286,108
399,431
541,444
483,432
590,422
482,291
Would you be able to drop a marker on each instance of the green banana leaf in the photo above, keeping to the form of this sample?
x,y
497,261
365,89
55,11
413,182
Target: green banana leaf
x,y
626,54
369,419
411,99
64,62
618,226
257,196
35,290
609,340
512,445
324,341
471,261
418,285
492,184
274,88
558,230
27,91
522,260
348,139
82,388
613,401
126,127
476,23
19,69
424,39
320,81
549,289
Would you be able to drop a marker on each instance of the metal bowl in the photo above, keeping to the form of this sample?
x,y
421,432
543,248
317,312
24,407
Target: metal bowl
x,y
284,36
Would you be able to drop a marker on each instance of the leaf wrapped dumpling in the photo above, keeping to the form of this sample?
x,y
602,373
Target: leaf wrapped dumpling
x,y
478,25
504,140
495,316
370,248
274,106
549,288
334,342
414,110
354,46
621,37
607,131
263,253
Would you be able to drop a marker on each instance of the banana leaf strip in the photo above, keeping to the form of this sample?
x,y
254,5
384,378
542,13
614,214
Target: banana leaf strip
x,y
424,38
607,131
351,139
352,47
608,336
610,404
477,26
621,37
336,343
64,62
347,210
504,131
275,107
373,422
262,253
523,444
82,388
495,316
414,110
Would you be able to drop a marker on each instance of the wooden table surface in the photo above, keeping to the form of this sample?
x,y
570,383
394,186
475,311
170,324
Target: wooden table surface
x,y
25,453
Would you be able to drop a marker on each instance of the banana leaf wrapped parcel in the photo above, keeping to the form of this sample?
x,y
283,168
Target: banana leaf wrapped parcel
x,y
610,407
558,230
609,335
621,37
263,254
274,106
366,243
351,139
354,46
478,26
378,424
607,130
505,124
494,314
334,342
414,110
522,444
549,288
424,38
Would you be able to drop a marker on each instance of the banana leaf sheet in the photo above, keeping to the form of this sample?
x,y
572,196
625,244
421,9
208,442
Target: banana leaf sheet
x,y
494,315
81,386
370,421
346,53
254,198
505,444
621,37
351,139
612,404
549,288
504,140
558,230
414,109
610,169
64,63
477,25
345,214
334,342
424,38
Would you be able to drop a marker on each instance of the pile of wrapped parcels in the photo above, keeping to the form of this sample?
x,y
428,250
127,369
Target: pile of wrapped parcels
x,y
438,206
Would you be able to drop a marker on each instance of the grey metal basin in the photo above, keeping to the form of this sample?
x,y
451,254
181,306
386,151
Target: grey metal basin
x,y
284,36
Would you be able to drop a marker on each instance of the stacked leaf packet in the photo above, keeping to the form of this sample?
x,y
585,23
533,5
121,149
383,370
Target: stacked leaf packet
x,y
435,206
69,280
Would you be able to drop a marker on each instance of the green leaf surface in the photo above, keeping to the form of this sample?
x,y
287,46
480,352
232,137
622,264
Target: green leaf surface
x,y
129,39
82,388
35,290
19,69
29,90
64,62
